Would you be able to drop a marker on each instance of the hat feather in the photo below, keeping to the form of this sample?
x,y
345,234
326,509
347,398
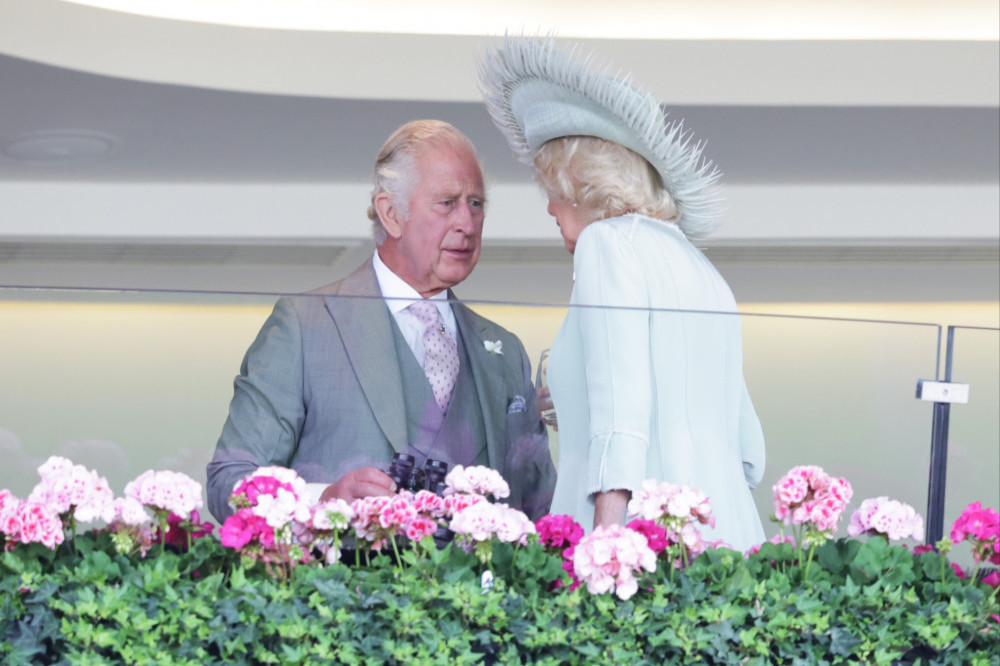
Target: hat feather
x,y
504,70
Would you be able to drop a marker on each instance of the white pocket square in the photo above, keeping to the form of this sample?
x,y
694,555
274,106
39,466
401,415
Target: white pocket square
x,y
517,405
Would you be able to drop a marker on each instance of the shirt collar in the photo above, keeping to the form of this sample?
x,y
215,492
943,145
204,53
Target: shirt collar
x,y
398,294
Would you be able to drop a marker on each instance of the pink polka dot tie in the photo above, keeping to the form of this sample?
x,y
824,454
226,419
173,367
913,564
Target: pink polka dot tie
x,y
440,353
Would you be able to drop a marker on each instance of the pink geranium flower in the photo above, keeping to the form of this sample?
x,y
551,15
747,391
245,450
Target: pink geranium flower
x,y
454,504
166,492
73,491
39,523
476,480
415,516
366,522
810,497
679,510
484,521
662,501
10,521
420,527
323,531
609,558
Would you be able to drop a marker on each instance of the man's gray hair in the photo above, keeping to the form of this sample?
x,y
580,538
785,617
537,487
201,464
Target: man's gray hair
x,y
395,166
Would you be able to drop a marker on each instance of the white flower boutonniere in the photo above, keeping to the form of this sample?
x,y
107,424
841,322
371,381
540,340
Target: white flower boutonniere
x,y
494,347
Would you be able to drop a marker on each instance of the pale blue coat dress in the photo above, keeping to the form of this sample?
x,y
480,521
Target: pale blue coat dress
x,y
652,386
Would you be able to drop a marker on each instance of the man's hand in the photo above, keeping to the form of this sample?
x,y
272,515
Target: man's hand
x,y
359,483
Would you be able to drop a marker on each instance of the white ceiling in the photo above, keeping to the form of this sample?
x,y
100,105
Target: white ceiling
x,y
165,132
209,101
896,93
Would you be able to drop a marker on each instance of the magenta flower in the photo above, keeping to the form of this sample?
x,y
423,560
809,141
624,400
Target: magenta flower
x,y
243,527
250,490
981,527
561,533
558,531
179,529
656,536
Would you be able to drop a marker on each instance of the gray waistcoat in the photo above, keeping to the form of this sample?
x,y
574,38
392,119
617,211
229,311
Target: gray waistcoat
x,y
458,437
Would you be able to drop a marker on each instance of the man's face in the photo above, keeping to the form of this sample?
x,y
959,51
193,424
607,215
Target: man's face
x,y
440,242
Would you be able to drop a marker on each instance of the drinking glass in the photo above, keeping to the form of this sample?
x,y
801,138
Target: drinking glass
x,y
544,400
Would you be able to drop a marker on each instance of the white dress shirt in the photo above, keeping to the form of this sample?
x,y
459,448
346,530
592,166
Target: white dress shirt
x,y
399,295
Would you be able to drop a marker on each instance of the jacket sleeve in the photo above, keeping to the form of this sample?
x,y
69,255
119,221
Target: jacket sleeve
x,y
751,441
267,410
612,297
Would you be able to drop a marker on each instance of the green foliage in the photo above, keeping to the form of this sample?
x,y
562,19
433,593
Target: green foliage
x,y
860,603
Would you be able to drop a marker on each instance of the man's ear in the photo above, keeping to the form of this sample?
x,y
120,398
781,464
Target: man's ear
x,y
387,211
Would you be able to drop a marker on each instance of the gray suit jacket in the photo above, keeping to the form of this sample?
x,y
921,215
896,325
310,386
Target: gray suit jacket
x,y
320,391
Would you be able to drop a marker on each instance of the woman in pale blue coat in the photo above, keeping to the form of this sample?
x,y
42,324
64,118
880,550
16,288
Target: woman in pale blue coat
x,y
646,372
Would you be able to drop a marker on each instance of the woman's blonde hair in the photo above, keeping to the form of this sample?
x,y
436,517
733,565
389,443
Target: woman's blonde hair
x,y
604,179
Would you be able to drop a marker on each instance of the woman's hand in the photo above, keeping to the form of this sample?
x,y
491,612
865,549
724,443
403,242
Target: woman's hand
x,y
610,506
545,407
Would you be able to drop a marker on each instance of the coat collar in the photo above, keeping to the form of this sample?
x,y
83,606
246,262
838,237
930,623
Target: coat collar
x,y
365,325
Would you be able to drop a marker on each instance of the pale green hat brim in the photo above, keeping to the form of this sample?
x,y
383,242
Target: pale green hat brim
x,y
536,92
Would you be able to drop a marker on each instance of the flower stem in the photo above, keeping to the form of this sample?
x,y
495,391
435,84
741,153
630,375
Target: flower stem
x,y
805,574
395,551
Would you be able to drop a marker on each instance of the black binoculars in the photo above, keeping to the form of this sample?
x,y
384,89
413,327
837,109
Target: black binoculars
x,y
408,476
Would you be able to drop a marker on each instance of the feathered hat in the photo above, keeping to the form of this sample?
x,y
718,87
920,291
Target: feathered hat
x,y
536,92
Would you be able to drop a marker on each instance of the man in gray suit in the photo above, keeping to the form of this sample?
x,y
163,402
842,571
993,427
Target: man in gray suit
x,y
335,382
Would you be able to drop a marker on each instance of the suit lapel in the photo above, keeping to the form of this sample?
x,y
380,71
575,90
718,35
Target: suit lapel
x,y
489,382
365,327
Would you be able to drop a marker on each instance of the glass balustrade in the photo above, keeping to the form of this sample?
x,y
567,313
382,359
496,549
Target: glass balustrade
x,y
123,381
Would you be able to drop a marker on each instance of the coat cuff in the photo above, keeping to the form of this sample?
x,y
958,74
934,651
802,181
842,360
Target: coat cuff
x,y
617,461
